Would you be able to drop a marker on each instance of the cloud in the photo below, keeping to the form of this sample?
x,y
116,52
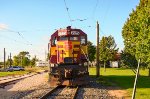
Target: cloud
x,y
3,26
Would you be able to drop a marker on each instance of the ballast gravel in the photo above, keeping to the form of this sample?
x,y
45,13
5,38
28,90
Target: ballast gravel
x,y
23,87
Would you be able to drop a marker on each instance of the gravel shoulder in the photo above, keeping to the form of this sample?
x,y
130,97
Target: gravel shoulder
x,y
36,86
23,87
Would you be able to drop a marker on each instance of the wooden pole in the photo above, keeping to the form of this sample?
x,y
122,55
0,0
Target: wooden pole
x,y
135,82
8,62
10,59
4,59
97,51
21,60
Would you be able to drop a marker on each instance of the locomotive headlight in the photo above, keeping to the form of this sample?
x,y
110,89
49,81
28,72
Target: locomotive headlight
x,y
75,59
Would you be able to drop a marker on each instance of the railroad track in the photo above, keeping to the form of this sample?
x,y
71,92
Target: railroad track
x,y
10,81
61,92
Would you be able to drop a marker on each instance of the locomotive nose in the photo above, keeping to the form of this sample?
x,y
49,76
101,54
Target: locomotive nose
x,y
68,45
72,52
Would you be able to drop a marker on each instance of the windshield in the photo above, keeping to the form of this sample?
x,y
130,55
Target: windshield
x,y
82,39
73,38
63,38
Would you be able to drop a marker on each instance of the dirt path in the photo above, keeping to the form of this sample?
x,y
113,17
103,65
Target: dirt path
x,y
118,92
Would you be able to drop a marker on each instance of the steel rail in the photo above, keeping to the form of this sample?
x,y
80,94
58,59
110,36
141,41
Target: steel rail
x,y
73,96
50,92
75,93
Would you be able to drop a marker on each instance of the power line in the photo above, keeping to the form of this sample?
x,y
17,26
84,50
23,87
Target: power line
x,y
102,32
14,40
19,35
79,20
94,10
67,9
106,12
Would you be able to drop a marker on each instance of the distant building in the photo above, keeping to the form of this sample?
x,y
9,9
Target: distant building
x,y
115,63
42,63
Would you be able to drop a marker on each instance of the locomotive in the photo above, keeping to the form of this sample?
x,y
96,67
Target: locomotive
x,y
68,57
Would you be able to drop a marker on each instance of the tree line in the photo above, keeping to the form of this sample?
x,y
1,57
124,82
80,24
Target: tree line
x,y
22,59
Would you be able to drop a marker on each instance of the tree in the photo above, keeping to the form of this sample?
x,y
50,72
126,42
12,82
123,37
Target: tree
x,y
108,49
16,60
25,61
136,34
1,64
9,62
33,61
22,59
91,51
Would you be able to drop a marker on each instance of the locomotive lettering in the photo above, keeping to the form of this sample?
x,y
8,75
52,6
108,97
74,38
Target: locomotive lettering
x,y
75,33
62,33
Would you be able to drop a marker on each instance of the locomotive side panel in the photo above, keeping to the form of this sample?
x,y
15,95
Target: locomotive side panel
x,y
53,55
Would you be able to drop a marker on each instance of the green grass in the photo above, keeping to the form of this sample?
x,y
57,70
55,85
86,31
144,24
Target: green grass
x,y
124,78
2,74
27,70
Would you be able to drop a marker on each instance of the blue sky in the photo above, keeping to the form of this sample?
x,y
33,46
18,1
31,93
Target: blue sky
x,y
26,25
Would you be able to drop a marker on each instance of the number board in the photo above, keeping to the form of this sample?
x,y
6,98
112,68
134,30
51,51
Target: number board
x,y
75,32
62,33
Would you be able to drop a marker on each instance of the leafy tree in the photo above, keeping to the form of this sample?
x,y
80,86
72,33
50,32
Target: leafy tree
x,y
108,49
1,64
22,59
16,60
33,61
25,61
9,62
136,34
47,57
91,51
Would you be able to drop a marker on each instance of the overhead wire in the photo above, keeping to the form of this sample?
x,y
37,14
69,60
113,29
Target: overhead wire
x,y
94,10
106,12
18,34
14,40
93,15
67,9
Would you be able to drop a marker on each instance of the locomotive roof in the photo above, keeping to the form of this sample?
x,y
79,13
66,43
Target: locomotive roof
x,y
55,34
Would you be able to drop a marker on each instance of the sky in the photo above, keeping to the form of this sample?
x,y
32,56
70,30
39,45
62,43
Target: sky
x,y
26,25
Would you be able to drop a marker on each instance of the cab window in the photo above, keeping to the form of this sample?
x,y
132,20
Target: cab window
x,y
83,40
54,41
73,38
63,38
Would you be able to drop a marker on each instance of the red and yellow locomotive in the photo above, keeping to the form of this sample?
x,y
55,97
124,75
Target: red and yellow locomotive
x,y
68,57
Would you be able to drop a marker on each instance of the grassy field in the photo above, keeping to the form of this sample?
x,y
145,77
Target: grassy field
x,y
124,78
2,74
27,70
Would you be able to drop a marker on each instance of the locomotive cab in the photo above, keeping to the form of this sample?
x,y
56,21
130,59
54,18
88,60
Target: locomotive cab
x,y
68,54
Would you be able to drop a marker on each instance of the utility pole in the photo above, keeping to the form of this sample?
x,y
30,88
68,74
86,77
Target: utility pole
x,y
10,60
135,82
35,60
21,60
45,57
97,51
4,59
